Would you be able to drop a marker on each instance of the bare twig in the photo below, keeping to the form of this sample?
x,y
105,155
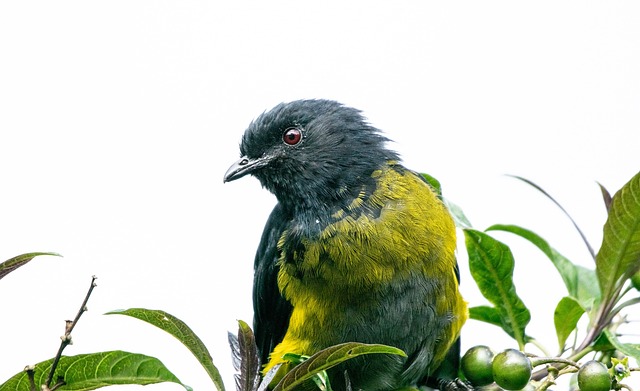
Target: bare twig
x,y
31,372
66,338
621,385
59,384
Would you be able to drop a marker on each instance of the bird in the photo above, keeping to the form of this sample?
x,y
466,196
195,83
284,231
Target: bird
x,y
358,248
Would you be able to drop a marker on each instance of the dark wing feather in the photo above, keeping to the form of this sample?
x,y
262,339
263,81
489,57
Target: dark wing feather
x,y
271,310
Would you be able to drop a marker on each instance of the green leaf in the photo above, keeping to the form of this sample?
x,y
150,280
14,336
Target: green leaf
x,y
602,344
330,357
619,255
182,332
491,264
456,212
458,215
90,371
606,196
12,264
486,314
541,190
631,350
581,282
566,316
433,182
245,358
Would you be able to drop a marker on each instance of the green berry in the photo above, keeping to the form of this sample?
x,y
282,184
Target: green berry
x,y
476,365
511,369
594,376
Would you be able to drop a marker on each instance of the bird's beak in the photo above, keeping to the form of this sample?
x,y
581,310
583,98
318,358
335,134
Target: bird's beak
x,y
243,167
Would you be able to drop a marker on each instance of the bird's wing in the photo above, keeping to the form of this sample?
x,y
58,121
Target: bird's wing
x,y
271,310
448,369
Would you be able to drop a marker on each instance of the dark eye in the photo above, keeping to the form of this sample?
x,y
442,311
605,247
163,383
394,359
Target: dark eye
x,y
292,136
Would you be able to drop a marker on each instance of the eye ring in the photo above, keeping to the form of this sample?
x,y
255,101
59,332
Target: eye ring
x,y
292,136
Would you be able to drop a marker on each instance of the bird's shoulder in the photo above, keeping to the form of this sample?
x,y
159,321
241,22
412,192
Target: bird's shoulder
x,y
398,223
397,197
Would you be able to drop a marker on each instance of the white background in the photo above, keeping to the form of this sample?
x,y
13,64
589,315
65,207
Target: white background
x,y
118,120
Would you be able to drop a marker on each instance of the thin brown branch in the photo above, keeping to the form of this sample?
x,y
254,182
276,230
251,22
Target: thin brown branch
x,y
66,338
59,384
30,369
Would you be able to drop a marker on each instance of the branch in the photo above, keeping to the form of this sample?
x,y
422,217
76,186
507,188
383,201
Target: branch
x,y
66,338
30,369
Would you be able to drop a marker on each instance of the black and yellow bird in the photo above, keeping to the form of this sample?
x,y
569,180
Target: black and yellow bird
x,y
357,249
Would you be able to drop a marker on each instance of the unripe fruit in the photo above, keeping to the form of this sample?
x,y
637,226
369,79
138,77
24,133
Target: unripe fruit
x,y
511,369
476,365
594,376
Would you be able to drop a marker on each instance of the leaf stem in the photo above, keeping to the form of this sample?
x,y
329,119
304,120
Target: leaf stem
x,y
550,380
601,320
535,361
619,308
580,354
563,363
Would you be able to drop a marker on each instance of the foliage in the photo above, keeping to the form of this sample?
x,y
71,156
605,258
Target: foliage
x,y
12,264
182,332
90,371
601,294
85,371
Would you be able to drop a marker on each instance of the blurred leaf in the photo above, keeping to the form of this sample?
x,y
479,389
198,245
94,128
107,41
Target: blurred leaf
x,y
541,190
566,316
491,264
245,358
456,212
268,377
631,350
606,196
458,215
581,283
12,264
619,255
328,358
182,332
90,371
433,182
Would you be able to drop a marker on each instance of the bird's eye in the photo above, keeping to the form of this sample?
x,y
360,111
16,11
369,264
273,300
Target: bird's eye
x,y
292,136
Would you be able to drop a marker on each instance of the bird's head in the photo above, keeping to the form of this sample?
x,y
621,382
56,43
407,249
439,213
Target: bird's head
x,y
311,153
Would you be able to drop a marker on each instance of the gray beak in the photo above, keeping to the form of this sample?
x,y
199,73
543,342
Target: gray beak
x,y
243,167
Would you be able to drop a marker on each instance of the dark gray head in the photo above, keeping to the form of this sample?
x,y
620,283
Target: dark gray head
x,y
311,152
